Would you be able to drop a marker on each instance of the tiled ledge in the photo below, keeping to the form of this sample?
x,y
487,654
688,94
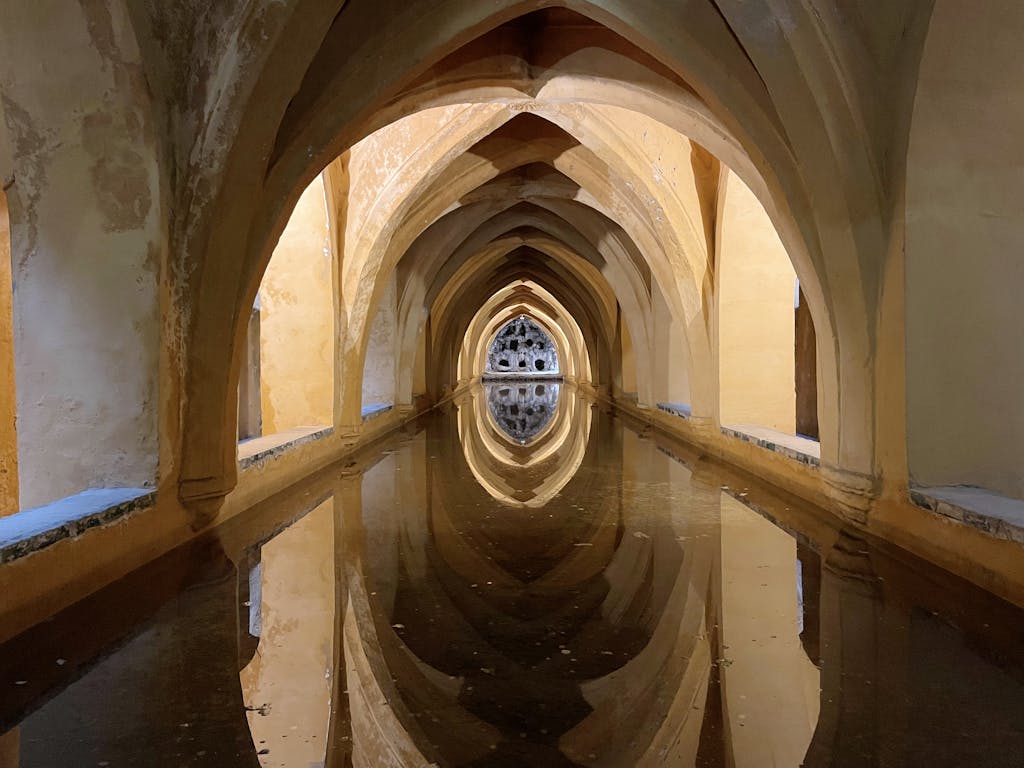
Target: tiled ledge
x,y
675,409
33,529
801,449
258,449
996,515
373,410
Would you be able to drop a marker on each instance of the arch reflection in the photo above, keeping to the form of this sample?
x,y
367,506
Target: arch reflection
x,y
516,472
522,411
587,630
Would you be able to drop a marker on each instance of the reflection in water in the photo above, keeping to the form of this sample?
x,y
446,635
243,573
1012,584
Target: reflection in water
x,y
522,410
523,475
466,600
286,685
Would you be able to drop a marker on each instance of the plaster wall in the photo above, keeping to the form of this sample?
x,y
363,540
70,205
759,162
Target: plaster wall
x,y
379,177
8,436
291,673
964,239
666,156
297,321
379,373
87,240
756,335
375,161
672,381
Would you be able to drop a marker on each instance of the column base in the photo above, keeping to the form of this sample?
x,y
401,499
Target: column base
x,y
852,493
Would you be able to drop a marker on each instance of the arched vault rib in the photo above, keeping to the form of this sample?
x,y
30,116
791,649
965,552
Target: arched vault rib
x,y
623,189
328,112
431,265
576,278
530,298
543,310
475,286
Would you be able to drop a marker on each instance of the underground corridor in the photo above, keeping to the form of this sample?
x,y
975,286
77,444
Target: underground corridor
x,y
454,384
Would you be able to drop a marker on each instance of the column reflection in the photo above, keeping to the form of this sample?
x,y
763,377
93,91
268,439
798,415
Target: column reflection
x,y
562,602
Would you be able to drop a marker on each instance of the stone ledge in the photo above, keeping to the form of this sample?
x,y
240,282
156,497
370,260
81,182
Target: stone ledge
x,y
259,449
681,410
33,529
801,449
998,516
373,410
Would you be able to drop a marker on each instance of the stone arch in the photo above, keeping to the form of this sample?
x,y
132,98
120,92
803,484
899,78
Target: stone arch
x,y
445,189
327,111
604,246
454,328
542,308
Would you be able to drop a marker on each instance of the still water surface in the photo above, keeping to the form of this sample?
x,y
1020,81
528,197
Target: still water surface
x,y
523,579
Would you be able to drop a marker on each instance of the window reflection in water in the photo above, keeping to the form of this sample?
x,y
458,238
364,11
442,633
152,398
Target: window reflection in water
x,y
522,411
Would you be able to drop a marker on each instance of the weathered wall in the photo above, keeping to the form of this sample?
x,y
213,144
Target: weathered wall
x,y
756,287
379,378
965,236
87,247
8,436
297,321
